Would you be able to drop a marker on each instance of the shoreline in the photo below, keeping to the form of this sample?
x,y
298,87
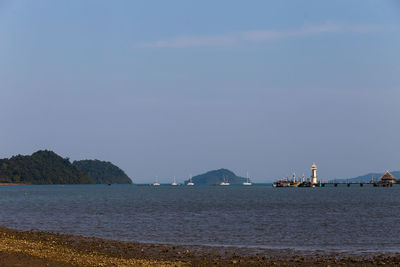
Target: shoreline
x,y
38,248
14,184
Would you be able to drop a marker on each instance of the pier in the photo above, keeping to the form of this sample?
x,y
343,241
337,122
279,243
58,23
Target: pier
x,y
348,184
334,184
387,180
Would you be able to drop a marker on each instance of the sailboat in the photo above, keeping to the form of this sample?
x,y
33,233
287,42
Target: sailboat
x,y
156,182
174,182
247,180
190,181
224,182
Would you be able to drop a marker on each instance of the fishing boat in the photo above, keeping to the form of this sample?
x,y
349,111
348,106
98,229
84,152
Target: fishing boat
x,y
190,181
247,180
174,182
285,182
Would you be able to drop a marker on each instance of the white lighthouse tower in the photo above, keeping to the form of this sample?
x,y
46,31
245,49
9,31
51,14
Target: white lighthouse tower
x,y
314,179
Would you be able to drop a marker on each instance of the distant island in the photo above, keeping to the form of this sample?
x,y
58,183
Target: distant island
x,y
216,177
46,167
367,177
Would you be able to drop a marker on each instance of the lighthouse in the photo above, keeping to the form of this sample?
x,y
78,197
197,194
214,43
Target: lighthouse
x,y
314,179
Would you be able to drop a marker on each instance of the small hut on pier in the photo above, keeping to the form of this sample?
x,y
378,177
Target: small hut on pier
x,y
388,178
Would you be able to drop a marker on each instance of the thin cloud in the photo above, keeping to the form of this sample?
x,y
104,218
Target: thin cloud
x,y
256,36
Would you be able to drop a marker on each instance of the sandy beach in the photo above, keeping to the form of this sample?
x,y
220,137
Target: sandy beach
x,y
36,248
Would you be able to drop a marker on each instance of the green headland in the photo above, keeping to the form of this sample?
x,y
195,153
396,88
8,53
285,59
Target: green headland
x,y
46,167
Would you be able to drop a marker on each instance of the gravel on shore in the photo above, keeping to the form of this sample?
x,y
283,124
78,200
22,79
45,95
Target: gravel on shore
x,y
38,248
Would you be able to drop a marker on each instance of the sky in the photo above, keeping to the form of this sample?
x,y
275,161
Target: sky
x,y
173,88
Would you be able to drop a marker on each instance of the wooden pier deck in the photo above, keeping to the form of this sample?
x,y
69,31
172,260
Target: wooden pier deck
x,y
348,184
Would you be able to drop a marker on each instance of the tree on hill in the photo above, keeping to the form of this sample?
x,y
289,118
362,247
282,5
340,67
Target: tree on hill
x,y
103,172
42,167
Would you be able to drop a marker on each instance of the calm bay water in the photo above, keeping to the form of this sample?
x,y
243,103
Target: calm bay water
x,y
349,219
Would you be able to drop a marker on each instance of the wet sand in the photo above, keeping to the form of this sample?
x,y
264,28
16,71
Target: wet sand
x,y
37,248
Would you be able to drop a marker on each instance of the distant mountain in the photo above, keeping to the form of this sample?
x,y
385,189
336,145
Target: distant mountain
x,y
103,172
42,167
367,177
216,177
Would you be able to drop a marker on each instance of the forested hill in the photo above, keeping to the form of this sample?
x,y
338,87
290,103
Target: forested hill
x,y
103,172
216,177
42,167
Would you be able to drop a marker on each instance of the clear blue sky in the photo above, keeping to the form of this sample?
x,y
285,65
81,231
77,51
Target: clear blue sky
x,y
169,88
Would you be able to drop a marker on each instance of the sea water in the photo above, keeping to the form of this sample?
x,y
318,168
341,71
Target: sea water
x,y
343,218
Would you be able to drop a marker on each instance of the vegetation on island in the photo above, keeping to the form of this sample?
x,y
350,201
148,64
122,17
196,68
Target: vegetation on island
x,y
42,167
103,172
46,167
216,177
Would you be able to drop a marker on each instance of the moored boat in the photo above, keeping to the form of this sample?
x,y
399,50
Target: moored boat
x,y
174,182
247,180
190,183
285,182
224,182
